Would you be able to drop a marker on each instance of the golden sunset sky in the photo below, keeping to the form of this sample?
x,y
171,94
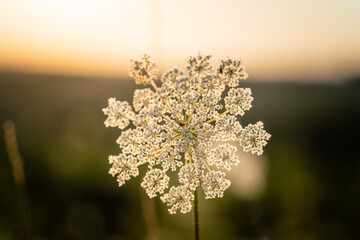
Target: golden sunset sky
x,y
277,40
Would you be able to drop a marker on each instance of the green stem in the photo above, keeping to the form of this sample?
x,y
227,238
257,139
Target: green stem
x,y
196,215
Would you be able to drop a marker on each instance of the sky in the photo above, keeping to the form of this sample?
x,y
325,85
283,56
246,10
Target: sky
x,y
277,40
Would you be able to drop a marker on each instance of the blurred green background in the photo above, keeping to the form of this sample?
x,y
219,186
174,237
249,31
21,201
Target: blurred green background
x,y
305,186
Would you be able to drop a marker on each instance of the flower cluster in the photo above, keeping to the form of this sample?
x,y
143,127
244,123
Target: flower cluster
x,y
176,125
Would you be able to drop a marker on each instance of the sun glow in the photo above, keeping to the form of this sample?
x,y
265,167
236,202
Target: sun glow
x,y
275,39
73,36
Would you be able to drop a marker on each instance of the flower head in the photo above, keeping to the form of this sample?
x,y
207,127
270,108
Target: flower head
x,y
224,156
231,71
214,184
143,71
125,166
155,181
119,114
176,124
190,176
179,197
253,138
238,100
198,65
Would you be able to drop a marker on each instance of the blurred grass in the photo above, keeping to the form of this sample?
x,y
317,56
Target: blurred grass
x,y
311,188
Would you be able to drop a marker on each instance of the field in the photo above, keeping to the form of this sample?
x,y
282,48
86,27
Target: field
x,y
308,187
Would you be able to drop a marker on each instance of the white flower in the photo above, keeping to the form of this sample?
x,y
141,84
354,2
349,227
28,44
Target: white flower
x,y
214,184
119,114
238,100
175,81
224,157
155,181
190,176
179,197
232,71
143,98
130,141
253,138
124,165
143,71
175,125
227,127
198,65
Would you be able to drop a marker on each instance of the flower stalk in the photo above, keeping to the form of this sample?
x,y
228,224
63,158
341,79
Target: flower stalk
x,y
196,215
